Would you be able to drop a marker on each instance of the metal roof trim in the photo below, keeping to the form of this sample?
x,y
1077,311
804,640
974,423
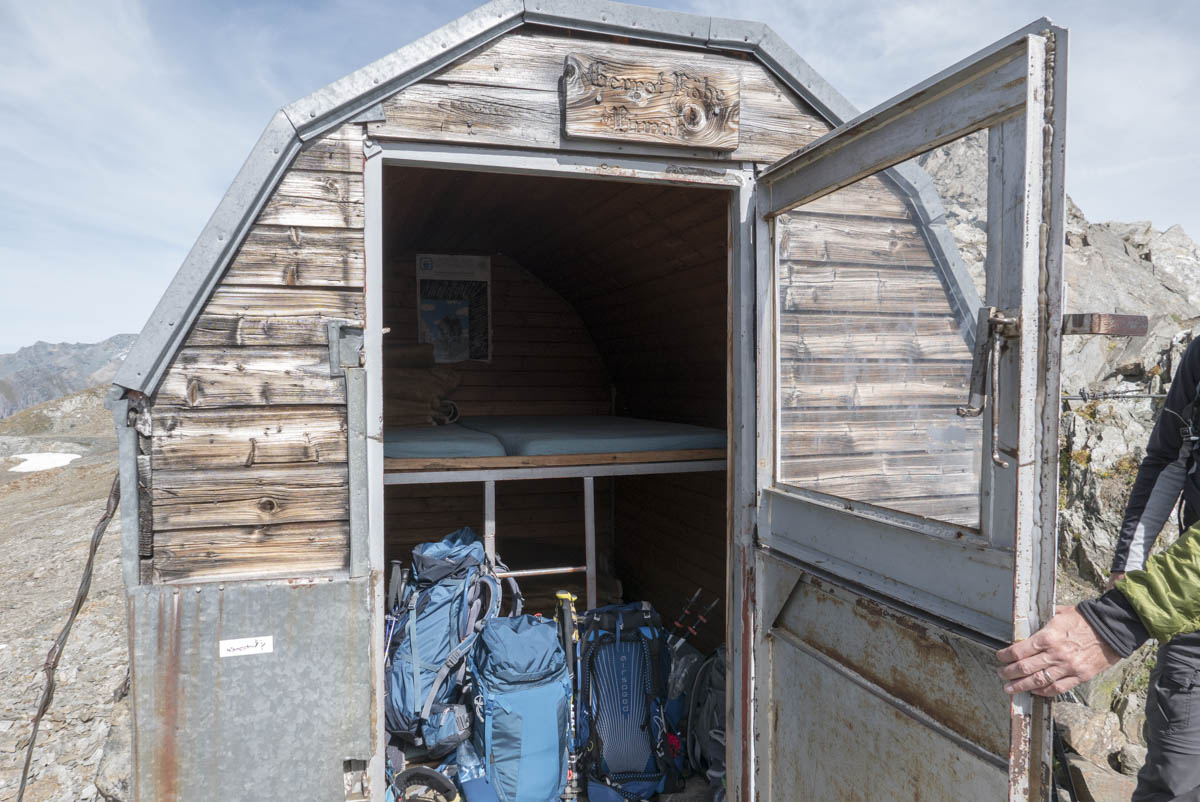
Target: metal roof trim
x,y
336,103
196,278
620,19
341,100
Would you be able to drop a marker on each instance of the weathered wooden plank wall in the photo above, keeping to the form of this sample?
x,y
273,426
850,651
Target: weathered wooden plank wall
x,y
248,445
508,94
872,361
543,360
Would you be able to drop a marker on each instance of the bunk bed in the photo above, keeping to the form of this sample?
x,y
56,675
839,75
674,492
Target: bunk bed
x,y
490,449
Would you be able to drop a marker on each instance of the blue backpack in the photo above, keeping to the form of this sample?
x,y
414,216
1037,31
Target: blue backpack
x,y
522,697
630,749
435,618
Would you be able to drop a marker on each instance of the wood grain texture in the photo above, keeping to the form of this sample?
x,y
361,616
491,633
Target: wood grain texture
x,y
316,199
550,460
249,496
870,197
224,377
246,436
298,257
286,302
670,539
866,384
338,151
854,240
543,361
257,331
809,432
875,477
861,289
507,94
229,551
860,336
663,100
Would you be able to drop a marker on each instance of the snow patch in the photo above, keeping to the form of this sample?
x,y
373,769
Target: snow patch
x,y
42,460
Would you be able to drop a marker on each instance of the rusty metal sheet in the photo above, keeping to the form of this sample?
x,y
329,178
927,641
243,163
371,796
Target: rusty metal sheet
x,y
277,716
869,703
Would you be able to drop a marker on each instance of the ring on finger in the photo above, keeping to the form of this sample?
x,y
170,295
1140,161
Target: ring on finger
x,y
1047,680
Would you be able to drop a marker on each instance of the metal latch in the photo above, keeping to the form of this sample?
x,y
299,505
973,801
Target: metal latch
x,y
345,346
993,326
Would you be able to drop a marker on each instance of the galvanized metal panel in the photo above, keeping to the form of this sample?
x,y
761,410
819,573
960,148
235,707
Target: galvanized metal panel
x,y
275,725
620,19
869,703
958,579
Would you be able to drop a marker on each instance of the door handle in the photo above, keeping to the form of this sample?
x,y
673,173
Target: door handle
x,y
992,326
1101,323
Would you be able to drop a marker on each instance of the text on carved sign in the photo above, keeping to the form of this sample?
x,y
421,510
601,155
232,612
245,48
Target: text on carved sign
x,y
676,104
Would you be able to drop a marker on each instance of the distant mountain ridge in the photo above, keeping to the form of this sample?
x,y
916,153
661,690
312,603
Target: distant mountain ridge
x,y
43,371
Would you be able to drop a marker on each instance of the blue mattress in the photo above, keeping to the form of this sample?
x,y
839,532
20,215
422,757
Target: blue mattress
x,y
439,442
523,436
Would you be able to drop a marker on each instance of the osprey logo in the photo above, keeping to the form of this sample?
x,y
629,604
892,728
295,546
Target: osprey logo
x,y
623,683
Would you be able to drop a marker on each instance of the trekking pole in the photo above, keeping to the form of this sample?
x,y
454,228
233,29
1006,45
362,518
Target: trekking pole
x,y
568,633
677,625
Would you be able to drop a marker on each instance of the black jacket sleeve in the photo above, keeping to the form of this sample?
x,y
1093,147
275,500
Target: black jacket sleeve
x,y
1163,470
1115,621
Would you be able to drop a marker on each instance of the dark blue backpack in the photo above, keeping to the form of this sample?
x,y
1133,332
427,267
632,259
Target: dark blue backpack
x,y
435,619
522,697
629,748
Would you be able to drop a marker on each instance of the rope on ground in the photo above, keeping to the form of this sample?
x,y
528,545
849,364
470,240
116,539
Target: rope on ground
x,y
52,657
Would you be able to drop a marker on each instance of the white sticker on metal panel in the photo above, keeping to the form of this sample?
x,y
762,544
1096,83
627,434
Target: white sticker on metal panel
x,y
240,646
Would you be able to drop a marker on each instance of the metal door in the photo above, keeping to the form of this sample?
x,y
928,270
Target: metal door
x,y
900,540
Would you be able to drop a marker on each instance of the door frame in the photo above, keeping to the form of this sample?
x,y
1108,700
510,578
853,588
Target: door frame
x,y
739,180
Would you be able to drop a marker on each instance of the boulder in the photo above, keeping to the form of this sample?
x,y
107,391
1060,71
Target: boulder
x,y
1093,734
1131,759
112,775
1098,783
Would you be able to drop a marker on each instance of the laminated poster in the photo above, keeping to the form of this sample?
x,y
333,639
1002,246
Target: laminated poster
x,y
454,306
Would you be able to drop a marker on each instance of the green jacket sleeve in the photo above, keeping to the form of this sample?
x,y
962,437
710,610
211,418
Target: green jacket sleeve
x,y
1166,594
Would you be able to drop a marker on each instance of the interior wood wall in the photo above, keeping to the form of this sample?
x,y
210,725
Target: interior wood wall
x,y
247,452
543,359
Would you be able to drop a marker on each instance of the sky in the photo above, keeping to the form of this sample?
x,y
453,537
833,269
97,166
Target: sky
x,y
122,122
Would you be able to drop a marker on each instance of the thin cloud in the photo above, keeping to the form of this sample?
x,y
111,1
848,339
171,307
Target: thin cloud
x,y
124,121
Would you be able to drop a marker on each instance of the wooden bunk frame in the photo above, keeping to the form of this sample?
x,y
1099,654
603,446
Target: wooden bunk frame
x,y
489,470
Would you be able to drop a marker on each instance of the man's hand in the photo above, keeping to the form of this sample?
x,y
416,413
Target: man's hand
x,y
1057,657
1114,578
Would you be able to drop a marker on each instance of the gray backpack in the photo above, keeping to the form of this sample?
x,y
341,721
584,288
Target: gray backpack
x,y
706,723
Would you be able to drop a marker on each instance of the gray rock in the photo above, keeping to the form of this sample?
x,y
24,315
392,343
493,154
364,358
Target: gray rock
x,y
112,775
43,371
1092,733
1131,759
1098,783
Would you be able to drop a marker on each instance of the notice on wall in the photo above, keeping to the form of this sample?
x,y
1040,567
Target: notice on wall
x,y
235,647
454,306
661,103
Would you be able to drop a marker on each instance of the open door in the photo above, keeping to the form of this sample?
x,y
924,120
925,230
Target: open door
x,y
908,442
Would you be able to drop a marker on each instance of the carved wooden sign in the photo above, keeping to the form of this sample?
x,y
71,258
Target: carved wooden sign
x,y
667,103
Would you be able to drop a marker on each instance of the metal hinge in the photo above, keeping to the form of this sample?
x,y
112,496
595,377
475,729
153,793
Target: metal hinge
x,y
993,326
1101,323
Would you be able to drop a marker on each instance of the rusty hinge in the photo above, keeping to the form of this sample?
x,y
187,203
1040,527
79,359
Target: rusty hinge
x,y
1101,323
993,326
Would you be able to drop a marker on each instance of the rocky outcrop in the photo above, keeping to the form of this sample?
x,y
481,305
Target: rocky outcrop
x,y
43,371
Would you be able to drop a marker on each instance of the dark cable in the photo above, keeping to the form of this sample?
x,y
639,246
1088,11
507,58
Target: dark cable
x,y
52,657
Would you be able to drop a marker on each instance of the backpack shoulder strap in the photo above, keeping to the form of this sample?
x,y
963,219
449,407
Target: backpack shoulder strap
x,y
477,615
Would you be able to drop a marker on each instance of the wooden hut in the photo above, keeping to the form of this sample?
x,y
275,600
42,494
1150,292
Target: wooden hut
x,y
642,299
